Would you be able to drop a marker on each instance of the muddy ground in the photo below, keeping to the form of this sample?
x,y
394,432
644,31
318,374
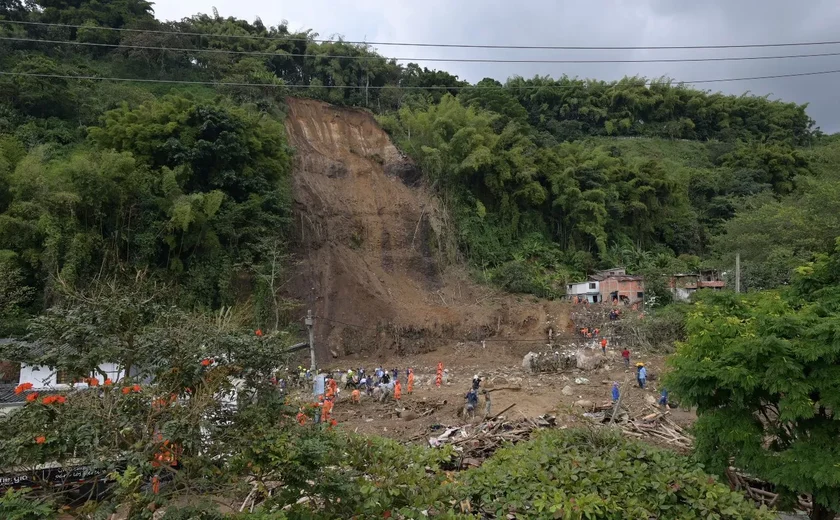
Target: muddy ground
x,y
415,417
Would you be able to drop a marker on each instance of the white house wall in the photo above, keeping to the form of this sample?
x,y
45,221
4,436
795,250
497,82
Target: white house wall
x,y
45,377
682,294
582,288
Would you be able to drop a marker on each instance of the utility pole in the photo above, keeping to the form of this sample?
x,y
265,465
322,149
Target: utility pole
x,y
738,272
310,321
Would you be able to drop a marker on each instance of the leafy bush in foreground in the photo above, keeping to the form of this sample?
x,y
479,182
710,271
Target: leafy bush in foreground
x,y
580,474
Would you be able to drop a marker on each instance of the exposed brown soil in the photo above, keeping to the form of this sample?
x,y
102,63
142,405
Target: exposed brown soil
x,y
532,395
367,252
368,242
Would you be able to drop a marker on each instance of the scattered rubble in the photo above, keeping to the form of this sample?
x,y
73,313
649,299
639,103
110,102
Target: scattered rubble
x,y
477,443
655,425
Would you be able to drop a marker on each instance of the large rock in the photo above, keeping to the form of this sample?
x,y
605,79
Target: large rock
x,y
567,390
586,405
588,359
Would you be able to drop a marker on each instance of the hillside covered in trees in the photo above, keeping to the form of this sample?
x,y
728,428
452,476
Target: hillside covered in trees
x,y
184,172
147,216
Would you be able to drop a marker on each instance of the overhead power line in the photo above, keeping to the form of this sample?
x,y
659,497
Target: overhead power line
x,y
448,60
435,87
441,45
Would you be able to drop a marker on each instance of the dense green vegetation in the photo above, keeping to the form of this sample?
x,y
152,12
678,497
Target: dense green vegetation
x,y
146,222
550,210
762,370
190,181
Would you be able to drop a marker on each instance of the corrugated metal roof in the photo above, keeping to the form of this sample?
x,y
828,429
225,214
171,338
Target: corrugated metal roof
x,y
34,350
8,395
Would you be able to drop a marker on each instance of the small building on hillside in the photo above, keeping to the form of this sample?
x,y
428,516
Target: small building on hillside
x,y
616,285
684,285
710,279
584,292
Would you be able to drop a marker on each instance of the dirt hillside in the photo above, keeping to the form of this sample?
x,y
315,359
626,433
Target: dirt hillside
x,y
368,236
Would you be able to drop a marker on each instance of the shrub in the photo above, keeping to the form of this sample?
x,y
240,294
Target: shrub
x,y
598,474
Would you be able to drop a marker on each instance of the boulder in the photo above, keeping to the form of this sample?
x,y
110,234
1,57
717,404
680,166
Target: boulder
x,y
587,359
567,390
649,399
501,381
585,404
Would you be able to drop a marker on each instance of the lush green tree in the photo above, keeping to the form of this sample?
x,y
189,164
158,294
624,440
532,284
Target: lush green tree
x,y
763,372
775,164
118,13
775,235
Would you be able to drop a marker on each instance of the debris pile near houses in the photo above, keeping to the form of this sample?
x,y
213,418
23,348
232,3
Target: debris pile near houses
x,y
654,425
475,443
658,426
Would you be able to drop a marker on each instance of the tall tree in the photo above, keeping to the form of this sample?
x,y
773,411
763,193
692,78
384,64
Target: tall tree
x,y
764,373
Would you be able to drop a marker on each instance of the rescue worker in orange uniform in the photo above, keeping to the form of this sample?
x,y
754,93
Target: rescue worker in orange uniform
x,y
397,390
410,380
356,396
327,409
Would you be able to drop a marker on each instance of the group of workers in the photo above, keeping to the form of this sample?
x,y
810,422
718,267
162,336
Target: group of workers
x,y
642,375
588,333
381,383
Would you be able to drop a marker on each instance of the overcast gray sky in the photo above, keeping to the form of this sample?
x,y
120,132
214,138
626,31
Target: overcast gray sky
x,y
585,22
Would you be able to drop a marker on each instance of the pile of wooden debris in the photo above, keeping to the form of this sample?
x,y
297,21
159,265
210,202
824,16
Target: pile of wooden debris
x,y
475,443
754,488
654,425
658,426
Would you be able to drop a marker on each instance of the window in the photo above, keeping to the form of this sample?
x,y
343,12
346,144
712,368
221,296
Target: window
x,y
640,295
9,373
592,285
63,377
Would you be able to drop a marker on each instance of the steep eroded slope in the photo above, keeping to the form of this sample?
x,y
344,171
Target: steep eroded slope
x,y
365,247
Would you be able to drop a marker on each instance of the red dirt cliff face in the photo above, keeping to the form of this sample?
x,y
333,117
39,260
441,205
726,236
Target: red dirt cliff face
x,y
365,246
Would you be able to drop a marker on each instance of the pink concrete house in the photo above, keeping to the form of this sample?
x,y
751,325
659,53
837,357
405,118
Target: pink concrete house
x,y
616,284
